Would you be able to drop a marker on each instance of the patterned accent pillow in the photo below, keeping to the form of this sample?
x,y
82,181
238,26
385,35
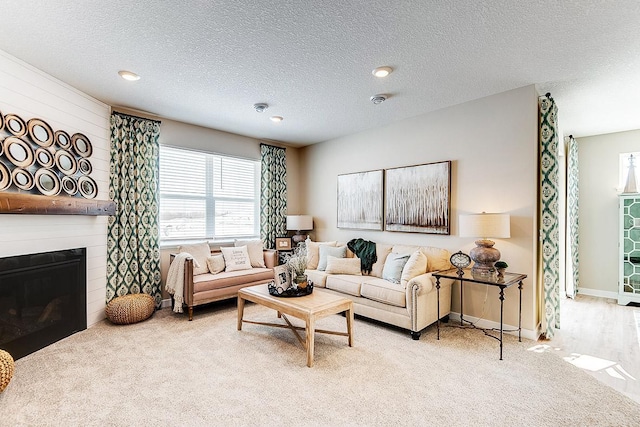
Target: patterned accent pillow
x,y
199,252
215,264
236,258
326,250
343,266
393,267
255,248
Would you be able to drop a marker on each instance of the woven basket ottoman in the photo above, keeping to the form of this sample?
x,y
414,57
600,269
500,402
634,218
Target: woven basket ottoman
x,y
6,369
130,308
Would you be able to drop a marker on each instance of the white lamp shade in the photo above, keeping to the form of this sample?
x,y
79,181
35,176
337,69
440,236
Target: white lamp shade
x,y
485,225
299,222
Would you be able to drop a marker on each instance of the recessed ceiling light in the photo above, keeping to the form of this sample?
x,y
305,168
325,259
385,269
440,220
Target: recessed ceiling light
x,y
260,107
382,71
276,119
128,75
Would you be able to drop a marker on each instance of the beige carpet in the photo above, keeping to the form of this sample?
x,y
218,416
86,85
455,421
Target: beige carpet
x,y
168,371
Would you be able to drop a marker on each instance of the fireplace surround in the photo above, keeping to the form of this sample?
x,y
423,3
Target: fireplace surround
x,y
42,299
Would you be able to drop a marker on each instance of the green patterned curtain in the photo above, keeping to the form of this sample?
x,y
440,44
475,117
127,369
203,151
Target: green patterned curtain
x,y
133,253
273,194
572,218
549,232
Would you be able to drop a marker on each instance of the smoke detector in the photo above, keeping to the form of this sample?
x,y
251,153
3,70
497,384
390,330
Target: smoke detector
x,y
378,99
260,107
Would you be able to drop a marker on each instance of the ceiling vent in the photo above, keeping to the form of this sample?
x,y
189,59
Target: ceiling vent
x,y
378,99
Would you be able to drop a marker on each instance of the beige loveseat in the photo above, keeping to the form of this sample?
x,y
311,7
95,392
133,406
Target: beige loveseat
x,y
410,304
206,287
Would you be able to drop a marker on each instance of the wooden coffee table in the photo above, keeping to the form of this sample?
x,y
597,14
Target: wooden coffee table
x,y
308,308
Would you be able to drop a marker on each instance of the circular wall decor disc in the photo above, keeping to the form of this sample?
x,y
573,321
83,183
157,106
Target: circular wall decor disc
x,y
15,125
40,132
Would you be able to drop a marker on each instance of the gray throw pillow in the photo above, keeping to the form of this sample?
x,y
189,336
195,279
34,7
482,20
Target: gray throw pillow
x,y
326,250
393,267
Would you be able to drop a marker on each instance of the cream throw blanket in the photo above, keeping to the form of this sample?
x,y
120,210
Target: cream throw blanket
x,y
175,280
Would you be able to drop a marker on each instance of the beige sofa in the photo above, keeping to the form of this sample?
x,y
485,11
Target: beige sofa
x,y
411,304
205,288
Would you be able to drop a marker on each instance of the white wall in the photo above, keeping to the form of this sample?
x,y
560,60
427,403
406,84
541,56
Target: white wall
x,y
31,93
598,158
492,143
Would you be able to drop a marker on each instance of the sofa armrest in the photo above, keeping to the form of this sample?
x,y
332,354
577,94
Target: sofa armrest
x,y
270,258
424,283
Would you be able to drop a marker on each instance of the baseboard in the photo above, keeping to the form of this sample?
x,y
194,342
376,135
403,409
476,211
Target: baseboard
x,y
597,293
483,323
166,303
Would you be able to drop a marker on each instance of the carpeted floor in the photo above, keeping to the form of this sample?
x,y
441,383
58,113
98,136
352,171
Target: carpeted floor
x,y
168,371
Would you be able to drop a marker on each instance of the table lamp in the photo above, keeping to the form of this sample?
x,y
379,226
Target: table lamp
x,y
485,225
299,224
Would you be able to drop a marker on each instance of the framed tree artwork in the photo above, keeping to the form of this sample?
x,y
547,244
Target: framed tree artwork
x,y
418,198
360,200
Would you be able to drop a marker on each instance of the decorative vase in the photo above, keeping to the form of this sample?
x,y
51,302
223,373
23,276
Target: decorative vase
x,y
501,271
301,281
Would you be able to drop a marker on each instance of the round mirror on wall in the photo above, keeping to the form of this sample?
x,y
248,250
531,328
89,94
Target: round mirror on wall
x,y
40,132
69,185
44,157
81,145
47,182
87,187
62,139
18,152
66,162
84,165
22,179
15,125
1,121
5,177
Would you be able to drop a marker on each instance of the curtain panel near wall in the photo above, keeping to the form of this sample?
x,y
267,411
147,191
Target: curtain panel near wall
x,y
273,194
133,252
549,261
572,276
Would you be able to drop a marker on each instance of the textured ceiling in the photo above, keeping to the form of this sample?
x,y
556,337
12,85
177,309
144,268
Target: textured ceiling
x,y
208,62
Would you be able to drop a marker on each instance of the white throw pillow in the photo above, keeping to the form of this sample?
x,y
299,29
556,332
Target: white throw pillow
x,y
199,252
326,250
236,258
415,266
343,266
255,248
393,266
313,255
215,264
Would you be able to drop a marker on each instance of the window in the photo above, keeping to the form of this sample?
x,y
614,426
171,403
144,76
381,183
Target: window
x,y
207,196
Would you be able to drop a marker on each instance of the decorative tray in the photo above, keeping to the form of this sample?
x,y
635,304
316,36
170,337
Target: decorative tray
x,y
279,291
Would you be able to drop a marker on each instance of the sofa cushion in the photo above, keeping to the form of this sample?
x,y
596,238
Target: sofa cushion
x,y
206,282
319,278
346,283
384,291
313,255
393,267
415,266
254,248
382,251
343,266
215,263
236,258
199,252
334,251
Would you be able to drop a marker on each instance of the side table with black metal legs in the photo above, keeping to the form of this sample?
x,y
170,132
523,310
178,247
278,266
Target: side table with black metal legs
x,y
464,276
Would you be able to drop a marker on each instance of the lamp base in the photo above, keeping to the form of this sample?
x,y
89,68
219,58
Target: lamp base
x,y
484,256
299,237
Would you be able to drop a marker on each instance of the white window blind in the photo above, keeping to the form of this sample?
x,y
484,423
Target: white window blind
x,y
207,196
